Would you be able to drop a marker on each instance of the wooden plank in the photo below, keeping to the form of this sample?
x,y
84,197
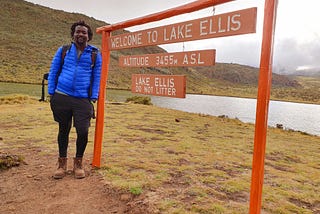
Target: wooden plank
x,y
188,58
159,85
227,24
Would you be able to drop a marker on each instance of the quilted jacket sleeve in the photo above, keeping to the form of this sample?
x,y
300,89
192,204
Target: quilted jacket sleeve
x,y
96,77
55,66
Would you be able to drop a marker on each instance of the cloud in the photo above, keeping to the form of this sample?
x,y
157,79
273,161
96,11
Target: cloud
x,y
292,55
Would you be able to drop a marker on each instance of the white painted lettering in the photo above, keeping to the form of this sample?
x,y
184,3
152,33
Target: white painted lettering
x,y
136,61
211,27
180,31
127,40
143,81
173,34
228,24
152,36
148,89
237,23
165,38
188,33
203,28
185,60
220,28
199,59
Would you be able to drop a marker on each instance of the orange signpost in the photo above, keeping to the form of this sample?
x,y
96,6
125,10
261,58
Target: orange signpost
x,y
261,125
189,58
228,24
100,104
159,85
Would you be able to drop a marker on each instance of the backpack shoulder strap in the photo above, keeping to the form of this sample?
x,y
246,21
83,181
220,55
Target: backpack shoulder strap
x,y
65,48
94,53
93,57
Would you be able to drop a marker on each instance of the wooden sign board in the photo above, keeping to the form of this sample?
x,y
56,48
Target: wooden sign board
x,y
159,85
227,24
188,58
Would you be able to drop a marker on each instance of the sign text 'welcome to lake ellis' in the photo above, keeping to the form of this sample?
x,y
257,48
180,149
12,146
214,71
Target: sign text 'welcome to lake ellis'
x,y
227,24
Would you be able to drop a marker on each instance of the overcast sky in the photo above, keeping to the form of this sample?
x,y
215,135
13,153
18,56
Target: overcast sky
x,y
297,38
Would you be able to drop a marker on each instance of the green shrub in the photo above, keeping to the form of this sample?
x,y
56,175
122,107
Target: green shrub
x,y
7,161
139,100
136,190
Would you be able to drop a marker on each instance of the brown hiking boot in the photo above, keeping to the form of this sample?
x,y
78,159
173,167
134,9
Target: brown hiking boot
x,y
77,168
62,168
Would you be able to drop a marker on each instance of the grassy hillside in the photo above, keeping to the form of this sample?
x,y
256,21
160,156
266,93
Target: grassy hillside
x,y
30,35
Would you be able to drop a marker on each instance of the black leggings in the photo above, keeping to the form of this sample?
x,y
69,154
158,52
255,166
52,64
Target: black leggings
x,y
65,108
63,139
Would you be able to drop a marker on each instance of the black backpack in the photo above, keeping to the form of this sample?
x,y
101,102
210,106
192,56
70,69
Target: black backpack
x,y
65,48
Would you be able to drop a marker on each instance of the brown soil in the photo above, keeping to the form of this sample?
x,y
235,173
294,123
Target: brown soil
x,y
30,188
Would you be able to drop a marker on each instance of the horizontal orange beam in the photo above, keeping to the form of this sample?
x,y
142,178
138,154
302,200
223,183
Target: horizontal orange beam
x,y
187,8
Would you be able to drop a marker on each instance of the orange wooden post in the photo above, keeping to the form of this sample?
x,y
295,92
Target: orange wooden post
x,y
101,101
262,106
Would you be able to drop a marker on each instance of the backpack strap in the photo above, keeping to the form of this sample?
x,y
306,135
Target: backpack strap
x,y
93,64
93,58
65,48
45,77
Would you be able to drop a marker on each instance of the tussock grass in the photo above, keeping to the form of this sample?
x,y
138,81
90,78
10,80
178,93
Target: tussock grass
x,y
7,161
181,162
17,99
139,100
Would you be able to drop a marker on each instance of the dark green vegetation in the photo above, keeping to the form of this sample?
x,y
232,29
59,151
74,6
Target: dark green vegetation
x,y
30,34
139,100
7,161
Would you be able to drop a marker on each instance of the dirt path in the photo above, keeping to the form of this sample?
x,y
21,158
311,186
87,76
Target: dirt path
x,y
30,188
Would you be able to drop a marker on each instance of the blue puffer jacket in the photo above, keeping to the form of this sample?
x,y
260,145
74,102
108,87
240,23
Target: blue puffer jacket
x,y
75,77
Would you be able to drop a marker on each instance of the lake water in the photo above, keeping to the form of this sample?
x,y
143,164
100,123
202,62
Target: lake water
x,y
295,116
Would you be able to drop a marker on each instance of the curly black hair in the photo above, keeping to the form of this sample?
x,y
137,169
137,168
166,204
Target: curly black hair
x,y
81,23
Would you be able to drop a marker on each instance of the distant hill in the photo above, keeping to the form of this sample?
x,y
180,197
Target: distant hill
x,y
306,73
245,75
30,35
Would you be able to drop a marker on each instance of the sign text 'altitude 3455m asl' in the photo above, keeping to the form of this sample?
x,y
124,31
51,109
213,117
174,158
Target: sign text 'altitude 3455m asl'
x,y
188,58
227,24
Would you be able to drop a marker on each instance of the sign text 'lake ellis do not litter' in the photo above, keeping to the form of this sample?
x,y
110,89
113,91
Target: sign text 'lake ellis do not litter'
x,y
159,85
